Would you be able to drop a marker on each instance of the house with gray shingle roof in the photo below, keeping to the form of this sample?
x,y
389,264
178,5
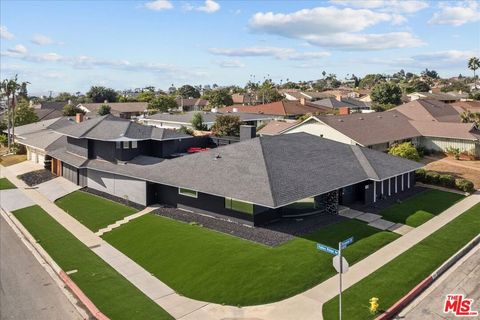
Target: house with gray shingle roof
x,y
256,180
430,124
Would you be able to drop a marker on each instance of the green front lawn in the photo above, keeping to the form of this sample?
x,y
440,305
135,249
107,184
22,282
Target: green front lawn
x,y
398,277
6,184
421,207
115,296
211,266
93,211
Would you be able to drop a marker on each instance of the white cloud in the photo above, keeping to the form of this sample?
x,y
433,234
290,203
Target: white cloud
x,y
352,41
400,6
5,34
18,50
457,14
335,28
279,53
159,5
231,64
209,6
42,40
446,56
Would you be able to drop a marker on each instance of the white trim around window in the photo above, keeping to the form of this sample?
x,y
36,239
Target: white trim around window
x,y
188,192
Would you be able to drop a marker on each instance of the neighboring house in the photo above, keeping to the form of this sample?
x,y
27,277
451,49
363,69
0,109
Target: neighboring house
x,y
427,124
280,109
126,110
47,114
472,106
177,120
294,95
254,180
442,97
334,104
191,104
276,127
245,99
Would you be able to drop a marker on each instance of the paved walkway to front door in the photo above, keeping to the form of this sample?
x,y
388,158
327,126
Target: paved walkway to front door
x,y
306,305
57,188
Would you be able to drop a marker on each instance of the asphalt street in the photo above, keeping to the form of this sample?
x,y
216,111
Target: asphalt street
x,y
27,291
465,279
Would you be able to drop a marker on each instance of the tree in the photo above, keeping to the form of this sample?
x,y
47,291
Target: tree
x,y
65,96
430,74
104,110
187,91
197,122
101,94
70,110
370,80
8,90
474,64
218,98
146,96
24,114
420,86
268,93
405,150
470,117
163,104
386,93
226,125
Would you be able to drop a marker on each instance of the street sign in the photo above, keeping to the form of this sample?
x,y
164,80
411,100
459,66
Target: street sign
x,y
327,249
336,264
347,242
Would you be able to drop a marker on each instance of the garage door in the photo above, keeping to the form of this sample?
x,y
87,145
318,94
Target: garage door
x,y
41,159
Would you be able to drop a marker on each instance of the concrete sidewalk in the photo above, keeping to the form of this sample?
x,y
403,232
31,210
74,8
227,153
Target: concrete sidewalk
x,y
306,305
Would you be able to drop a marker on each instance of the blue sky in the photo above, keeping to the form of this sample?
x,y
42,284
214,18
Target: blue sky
x,y
71,45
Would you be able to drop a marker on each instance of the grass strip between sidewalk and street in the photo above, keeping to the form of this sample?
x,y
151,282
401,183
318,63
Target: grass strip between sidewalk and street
x,y
6,184
115,296
395,279
93,211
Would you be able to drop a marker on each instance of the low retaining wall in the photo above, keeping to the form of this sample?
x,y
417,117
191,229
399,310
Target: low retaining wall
x,y
415,292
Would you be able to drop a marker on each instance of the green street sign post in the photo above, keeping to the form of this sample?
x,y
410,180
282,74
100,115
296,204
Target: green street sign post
x,y
339,263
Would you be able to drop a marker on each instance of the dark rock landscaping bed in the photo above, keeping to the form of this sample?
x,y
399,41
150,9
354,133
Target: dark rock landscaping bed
x,y
36,177
272,235
114,198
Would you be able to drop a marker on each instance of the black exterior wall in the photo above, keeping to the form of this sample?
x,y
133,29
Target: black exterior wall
x,y
208,204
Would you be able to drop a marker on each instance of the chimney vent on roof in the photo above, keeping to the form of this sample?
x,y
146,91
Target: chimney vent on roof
x,y
217,156
79,117
105,101
214,110
360,118
379,116
235,110
69,102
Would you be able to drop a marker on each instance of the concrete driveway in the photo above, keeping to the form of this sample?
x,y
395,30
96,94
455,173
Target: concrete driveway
x,y
56,188
14,199
24,167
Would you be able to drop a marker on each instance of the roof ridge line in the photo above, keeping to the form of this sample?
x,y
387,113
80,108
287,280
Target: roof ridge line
x,y
94,126
366,165
260,139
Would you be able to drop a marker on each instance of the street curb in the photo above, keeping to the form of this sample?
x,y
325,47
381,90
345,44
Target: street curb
x,y
419,288
67,281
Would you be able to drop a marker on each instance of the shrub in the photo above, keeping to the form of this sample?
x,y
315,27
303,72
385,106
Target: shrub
x,y
432,177
405,150
455,152
420,175
3,140
447,180
464,185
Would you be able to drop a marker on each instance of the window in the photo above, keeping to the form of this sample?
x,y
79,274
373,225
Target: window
x,y
126,145
188,192
240,206
134,144
118,145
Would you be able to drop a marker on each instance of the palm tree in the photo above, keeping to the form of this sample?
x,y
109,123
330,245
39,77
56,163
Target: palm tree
x,y
9,89
474,64
466,116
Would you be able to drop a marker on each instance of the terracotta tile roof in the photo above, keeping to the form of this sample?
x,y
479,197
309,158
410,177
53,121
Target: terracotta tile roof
x,y
279,108
276,127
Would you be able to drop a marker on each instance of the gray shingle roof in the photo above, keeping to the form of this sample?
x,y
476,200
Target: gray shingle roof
x,y
277,170
110,127
208,117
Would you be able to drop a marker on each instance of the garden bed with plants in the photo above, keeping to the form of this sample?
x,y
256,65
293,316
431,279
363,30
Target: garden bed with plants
x,y
444,180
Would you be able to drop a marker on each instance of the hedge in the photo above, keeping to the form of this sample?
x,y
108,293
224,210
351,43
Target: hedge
x,y
444,180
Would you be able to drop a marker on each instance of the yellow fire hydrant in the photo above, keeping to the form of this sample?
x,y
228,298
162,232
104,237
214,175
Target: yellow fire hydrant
x,y
373,305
